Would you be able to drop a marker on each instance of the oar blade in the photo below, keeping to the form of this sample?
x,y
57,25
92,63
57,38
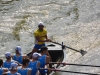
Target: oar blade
x,y
64,46
83,52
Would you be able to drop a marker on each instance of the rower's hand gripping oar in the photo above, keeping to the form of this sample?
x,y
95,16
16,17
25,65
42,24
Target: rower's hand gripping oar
x,y
63,46
72,64
57,70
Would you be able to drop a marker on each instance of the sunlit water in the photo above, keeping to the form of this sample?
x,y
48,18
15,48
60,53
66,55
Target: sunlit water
x,y
74,22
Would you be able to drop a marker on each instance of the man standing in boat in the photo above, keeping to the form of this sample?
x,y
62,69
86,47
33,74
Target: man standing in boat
x,y
40,37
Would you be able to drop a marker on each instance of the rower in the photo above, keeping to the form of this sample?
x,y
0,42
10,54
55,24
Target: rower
x,y
40,37
8,61
23,70
13,69
2,69
18,56
44,58
34,64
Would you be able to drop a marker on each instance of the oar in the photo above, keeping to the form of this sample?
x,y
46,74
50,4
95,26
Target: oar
x,y
81,51
67,71
72,64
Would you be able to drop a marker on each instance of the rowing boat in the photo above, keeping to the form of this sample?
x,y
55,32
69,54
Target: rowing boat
x,y
57,54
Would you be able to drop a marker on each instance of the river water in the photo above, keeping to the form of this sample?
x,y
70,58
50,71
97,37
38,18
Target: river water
x,y
74,22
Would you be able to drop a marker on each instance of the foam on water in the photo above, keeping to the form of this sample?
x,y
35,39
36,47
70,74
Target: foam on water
x,y
74,22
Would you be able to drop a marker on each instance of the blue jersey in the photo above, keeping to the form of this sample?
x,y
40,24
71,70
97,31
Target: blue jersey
x,y
18,58
42,60
7,64
23,71
9,73
33,66
1,71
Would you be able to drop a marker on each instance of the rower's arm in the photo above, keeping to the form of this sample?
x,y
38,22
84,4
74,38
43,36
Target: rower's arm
x,y
46,37
18,63
5,70
12,56
29,71
47,65
39,40
47,59
25,56
38,65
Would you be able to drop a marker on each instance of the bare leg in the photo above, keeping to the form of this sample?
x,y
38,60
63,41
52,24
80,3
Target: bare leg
x,y
34,50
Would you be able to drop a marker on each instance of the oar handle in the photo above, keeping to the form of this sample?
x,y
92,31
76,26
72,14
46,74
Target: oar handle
x,y
56,43
67,71
72,49
65,46
72,64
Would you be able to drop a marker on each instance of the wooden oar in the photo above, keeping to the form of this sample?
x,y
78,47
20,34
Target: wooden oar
x,y
57,70
63,46
72,64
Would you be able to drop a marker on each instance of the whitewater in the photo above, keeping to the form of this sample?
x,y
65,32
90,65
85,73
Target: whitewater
x,y
76,23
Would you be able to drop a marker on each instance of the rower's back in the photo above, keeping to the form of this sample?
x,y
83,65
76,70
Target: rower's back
x,y
43,59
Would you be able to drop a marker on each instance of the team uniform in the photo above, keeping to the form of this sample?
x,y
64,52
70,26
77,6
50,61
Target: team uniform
x,y
23,71
18,58
42,35
1,71
13,69
33,66
9,73
42,60
7,64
